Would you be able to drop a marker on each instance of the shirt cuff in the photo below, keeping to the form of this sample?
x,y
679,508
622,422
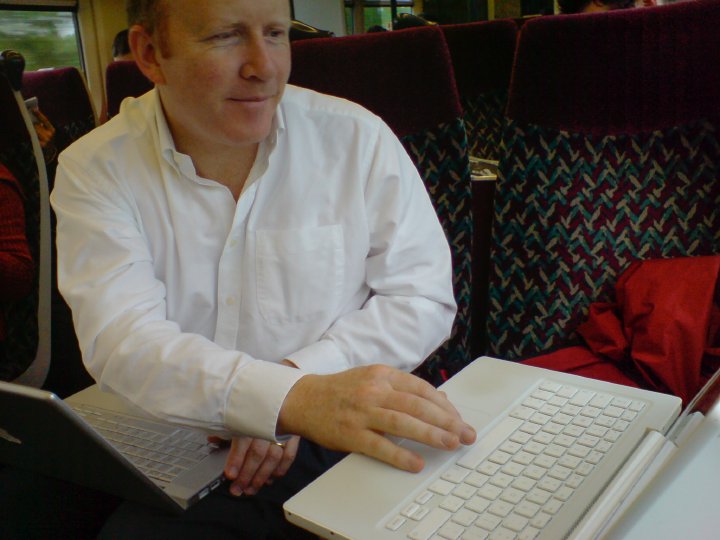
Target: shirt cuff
x,y
320,358
256,396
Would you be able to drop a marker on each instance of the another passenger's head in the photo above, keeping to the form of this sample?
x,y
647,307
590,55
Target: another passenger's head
x,y
408,20
591,6
220,66
121,47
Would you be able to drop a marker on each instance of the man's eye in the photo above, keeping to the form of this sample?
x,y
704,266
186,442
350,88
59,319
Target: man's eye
x,y
224,35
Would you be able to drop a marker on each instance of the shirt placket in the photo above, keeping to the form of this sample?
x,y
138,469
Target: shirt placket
x,y
230,274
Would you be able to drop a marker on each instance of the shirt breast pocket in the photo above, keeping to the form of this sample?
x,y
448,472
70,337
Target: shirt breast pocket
x,y
299,272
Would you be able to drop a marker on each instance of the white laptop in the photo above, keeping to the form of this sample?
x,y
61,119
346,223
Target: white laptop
x,y
95,440
555,457
680,498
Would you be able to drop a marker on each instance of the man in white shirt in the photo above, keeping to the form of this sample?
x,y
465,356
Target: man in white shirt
x,y
258,260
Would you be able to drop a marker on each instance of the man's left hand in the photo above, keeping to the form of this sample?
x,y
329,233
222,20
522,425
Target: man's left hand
x,y
252,463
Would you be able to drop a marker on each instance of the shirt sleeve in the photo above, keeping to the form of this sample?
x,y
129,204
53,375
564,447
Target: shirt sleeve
x,y
408,269
106,274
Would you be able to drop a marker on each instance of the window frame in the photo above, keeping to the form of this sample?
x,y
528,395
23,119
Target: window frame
x,y
39,5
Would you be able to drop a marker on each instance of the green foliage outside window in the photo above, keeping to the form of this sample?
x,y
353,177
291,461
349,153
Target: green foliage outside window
x,y
44,38
382,16
374,16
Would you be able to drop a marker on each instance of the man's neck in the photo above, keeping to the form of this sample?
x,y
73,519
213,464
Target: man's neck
x,y
230,168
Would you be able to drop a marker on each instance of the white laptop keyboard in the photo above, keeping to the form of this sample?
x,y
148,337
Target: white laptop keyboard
x,y
161,451
518,476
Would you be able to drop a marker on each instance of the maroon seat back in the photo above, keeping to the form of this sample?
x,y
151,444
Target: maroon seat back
x,y
624,71
64,99
123,79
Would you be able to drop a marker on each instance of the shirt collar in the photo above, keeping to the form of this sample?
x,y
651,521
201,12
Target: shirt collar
x,y
166,143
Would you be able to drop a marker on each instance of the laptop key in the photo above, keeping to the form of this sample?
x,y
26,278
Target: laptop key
x,y
432,522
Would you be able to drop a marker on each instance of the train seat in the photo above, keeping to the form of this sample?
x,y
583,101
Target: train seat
x,y
482,55
63,97
611,156
123,79
406,77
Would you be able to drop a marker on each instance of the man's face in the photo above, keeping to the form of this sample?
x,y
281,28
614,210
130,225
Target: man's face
x,y
225,69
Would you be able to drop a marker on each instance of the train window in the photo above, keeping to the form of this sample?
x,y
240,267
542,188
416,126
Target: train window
x,y
375,13
46,35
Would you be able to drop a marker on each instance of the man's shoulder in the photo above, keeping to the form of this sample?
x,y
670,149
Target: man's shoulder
x,y
124,129
306,101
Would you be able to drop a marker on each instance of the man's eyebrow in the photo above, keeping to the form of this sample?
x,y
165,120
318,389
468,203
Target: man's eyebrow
x,y
239,26
279,22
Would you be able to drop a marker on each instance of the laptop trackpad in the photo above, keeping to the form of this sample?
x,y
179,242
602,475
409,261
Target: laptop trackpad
x,y
477,418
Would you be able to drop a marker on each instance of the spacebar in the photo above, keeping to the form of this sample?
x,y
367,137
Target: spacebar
x,y
431,523
489,442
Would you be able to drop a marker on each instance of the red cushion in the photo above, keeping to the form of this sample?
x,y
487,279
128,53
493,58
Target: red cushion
x,y
581,361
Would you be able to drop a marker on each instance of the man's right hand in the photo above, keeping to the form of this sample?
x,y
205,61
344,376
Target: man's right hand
x,y
353,410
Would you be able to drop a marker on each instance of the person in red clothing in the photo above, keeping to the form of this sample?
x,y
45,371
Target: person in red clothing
x,y
17,267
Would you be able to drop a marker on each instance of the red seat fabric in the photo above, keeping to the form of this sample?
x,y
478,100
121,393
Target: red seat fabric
x,y
123,79
64,99
582,361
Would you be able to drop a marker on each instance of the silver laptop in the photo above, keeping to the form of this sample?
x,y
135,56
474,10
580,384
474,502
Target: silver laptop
x,y
95,440
555,457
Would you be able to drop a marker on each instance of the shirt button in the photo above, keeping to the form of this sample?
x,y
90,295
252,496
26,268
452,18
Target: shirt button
x,y
230,300
232,243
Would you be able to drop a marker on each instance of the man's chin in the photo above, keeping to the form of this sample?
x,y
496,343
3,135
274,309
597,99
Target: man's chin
x,y
247,138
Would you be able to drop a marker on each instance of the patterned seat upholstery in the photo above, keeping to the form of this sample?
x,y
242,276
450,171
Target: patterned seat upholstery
x,y
612,155
27,321
406,78
482,56
123,79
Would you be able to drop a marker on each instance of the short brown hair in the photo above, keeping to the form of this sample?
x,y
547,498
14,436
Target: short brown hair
x,y
146,13
151,15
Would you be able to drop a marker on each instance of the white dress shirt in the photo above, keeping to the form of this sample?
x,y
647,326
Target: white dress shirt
x,y
185,301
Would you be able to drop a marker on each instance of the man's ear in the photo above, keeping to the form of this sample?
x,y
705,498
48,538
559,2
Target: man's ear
x,y
146,53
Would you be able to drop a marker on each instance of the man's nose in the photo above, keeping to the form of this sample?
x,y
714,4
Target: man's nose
x,y
258,60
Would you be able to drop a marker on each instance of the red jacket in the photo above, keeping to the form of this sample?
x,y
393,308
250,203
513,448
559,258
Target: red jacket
x,y
665,322
17,268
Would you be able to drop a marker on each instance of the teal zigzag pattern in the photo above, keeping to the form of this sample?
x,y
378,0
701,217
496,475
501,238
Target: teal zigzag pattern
x,y
21,339
442,160
573,211
484,121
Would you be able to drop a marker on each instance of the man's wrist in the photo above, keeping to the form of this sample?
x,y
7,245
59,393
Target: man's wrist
x,y
298,399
